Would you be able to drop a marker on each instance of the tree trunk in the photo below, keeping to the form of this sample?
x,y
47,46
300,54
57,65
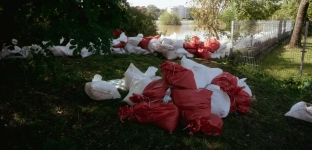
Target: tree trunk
x,y
215,33
295,40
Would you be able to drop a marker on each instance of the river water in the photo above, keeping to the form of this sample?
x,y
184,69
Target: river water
x,y
187,28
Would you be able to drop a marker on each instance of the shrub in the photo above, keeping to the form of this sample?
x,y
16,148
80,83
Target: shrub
x,y
138,22
169,19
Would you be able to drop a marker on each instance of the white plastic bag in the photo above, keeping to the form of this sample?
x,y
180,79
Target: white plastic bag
x,y
101,90
301,111
137,86
170,55
178,44
220,101
203,75
130,73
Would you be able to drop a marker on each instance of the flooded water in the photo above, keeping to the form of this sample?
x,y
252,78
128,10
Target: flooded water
x,y
187,28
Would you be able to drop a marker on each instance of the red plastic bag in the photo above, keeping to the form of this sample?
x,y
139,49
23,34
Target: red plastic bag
x,y
242,100
117,32
189,45
137,98
194,106
204,54
227,82
213,126
144,42
163,115
156,90
212,44
122,44
178,76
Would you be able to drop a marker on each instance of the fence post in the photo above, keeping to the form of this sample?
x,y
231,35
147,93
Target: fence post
x,y
304,47
232,38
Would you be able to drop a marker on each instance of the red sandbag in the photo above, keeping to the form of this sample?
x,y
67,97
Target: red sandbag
x,y
192,51
163,115
212,44
144,42
137,98
213,126
122,44
228,84
189,45
178,76
117,32
242,100
204,54
194,106
156,90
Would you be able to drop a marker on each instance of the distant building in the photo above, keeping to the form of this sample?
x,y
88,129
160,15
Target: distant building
x,y
183,12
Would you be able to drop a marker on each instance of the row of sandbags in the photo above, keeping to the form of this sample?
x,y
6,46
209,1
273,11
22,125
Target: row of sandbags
x,y
14,51
170,47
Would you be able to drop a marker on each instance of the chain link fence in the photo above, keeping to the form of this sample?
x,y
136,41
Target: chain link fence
x,y
263,45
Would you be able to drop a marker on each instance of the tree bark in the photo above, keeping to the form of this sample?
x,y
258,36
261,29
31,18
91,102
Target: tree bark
x,y
295,40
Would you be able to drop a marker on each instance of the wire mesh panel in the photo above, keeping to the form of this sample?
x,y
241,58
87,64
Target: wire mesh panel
x,y
253,40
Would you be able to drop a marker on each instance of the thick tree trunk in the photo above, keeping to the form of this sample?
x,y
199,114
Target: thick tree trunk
x,y
295,40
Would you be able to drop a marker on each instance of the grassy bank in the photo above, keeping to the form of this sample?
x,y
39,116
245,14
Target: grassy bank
x,y
284,62
40,114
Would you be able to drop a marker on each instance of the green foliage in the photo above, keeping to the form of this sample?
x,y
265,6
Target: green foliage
x,y
153,11
206,14
249,10
84,21
138,22
287,11
169,19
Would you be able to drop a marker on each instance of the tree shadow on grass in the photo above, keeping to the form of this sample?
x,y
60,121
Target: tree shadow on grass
x,y
42,115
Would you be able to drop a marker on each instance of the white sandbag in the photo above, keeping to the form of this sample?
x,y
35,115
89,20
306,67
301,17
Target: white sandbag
x,y
134,40
115,42
167,41
118,51
140,35
58,50
170,55
188,63
203,75
123,37
85,52
101,90
130,73
183,52
129,47
137,86
220,101
301,111
178,44
150,72
242,83
155,78
152,44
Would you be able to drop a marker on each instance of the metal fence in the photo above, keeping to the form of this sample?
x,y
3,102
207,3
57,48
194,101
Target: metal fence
x,y
263,45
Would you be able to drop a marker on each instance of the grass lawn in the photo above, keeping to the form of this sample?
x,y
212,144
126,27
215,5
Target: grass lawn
x,y
284,62
41,114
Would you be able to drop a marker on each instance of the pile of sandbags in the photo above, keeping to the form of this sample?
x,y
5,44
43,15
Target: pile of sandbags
x,y
190,93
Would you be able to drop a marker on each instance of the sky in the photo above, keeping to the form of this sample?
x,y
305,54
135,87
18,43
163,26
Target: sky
x,y
158,3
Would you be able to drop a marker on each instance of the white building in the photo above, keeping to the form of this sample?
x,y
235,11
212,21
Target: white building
x,y
182,11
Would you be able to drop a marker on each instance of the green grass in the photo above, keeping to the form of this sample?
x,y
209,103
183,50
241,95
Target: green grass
x,y
40,114
284,62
